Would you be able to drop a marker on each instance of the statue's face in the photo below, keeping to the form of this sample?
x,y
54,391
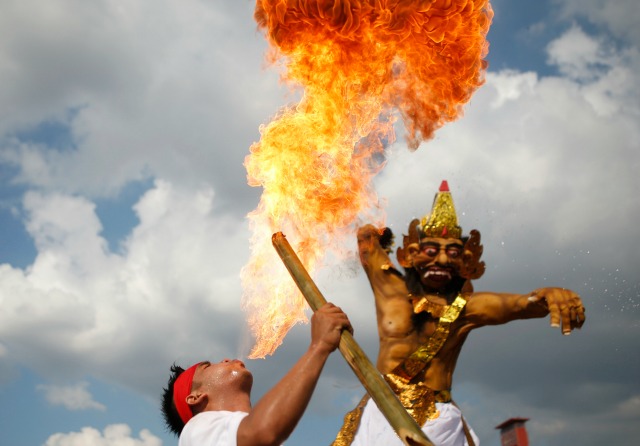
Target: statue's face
x,y
437,261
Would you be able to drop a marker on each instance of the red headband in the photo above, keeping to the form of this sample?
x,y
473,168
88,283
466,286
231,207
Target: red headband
x,y
181,390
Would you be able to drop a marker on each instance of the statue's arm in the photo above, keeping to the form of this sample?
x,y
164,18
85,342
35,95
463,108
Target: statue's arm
x,y
386,281
564,307
393,306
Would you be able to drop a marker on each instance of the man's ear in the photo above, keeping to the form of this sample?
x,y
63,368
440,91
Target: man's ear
x,y
196,398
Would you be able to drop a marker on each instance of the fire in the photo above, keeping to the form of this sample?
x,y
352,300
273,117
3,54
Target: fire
x,y
359,65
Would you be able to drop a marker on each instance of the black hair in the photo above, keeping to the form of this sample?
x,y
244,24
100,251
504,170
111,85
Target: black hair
x,y
169,412
386,239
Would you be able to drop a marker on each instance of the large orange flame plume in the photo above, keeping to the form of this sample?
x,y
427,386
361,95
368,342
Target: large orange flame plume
x,y
358,64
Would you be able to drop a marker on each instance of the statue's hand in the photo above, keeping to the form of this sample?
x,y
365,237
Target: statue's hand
x,y
368,233
368,237
564,306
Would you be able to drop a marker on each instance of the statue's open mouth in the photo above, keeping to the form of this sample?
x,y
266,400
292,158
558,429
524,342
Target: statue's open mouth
x,y
438,274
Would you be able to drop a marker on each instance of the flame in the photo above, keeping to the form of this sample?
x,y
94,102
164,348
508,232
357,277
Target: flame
x,y
359,65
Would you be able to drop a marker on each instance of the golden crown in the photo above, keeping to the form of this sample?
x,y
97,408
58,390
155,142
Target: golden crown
x,y
443,221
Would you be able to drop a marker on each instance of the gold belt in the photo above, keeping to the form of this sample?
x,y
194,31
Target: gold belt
x,y
419,400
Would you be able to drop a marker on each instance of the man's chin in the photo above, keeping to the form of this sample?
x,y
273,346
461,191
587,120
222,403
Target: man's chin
x,y
245,376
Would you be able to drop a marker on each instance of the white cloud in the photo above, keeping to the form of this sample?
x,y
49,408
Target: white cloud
x,y
73,397
177,274
605,74
140,97
512,85
578,55
619,17
113,435
36,53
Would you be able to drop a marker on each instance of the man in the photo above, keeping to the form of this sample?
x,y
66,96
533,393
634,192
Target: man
x,y
425,316
209,404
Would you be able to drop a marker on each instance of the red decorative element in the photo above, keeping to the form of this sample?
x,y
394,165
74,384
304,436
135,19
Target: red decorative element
x,y
444,186
444,232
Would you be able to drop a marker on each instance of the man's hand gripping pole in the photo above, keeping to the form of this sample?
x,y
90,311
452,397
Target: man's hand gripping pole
x,y
401,422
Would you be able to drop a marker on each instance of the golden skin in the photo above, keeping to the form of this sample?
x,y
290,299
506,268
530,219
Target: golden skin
x,y
398,337
434,259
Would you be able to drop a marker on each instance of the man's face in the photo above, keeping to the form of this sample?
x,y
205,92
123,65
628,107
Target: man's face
x,y
437,261
228,372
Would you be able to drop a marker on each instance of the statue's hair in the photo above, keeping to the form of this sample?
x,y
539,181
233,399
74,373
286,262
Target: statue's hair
x,y
169,412
386,239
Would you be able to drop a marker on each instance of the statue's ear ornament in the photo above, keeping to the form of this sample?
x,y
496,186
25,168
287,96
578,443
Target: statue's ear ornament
x,y
472,268
404,256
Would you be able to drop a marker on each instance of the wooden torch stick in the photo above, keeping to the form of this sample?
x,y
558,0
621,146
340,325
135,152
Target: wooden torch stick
x,y
388,403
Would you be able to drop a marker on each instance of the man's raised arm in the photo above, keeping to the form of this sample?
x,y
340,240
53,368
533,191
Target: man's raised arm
x,y
275,416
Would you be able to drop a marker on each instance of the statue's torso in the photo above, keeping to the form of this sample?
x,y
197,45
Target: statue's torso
x,y
402,335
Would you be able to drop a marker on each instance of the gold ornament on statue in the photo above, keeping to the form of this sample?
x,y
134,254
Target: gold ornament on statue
x,y
443,221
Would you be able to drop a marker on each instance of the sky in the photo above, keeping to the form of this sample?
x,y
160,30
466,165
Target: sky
x,y
123,200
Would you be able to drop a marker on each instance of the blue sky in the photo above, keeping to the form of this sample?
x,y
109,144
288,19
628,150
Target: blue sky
x,y
123,129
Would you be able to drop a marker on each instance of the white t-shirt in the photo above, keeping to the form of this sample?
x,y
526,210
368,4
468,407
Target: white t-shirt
x,y
212,428
446,430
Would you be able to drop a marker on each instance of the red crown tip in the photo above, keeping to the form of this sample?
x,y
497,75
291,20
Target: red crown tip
x,y
444,186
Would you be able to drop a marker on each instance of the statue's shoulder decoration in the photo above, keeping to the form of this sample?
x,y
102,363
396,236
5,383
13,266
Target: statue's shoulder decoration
x,y
442,222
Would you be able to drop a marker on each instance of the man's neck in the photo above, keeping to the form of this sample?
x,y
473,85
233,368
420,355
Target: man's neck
x,y
238,402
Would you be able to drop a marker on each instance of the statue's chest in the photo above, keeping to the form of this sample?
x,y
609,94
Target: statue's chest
x,y
429,327
434,319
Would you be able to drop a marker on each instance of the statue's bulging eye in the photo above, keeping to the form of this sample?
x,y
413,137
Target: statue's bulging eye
x,y
430,251
451,251
454,252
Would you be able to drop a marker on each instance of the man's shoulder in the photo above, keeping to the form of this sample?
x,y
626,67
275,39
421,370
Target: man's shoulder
x,y
212,427
215,416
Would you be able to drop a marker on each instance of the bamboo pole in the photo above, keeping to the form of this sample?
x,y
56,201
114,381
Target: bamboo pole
x,y
388,403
